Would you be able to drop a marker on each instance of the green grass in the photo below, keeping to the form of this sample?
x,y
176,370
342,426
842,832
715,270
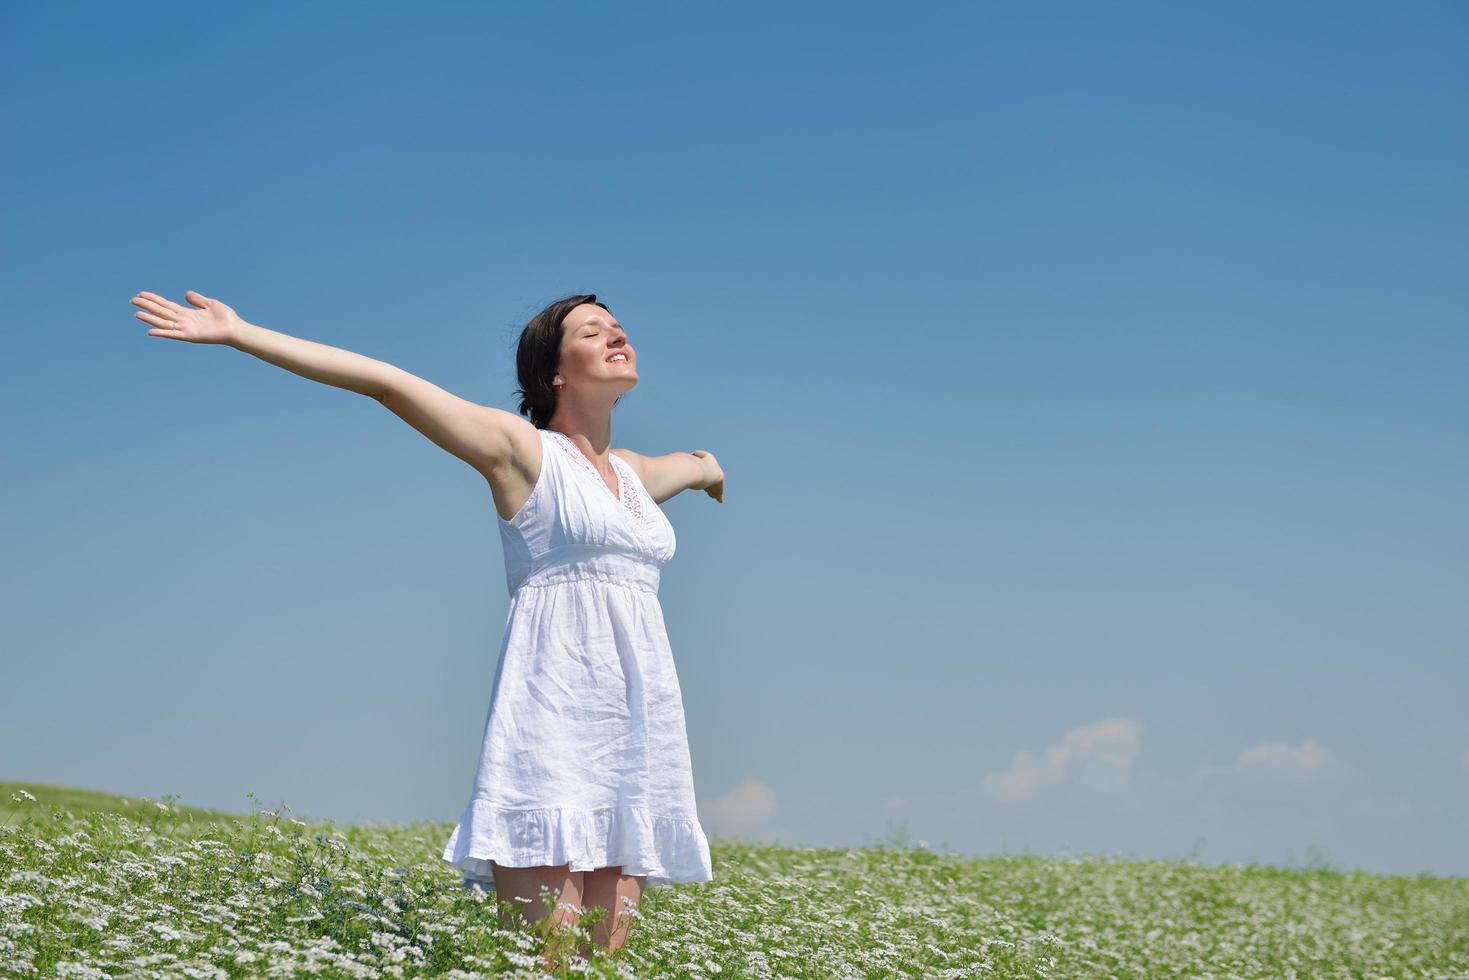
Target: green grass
x,y
92,885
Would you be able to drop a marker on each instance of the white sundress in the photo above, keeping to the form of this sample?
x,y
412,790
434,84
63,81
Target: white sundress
x,y
585,756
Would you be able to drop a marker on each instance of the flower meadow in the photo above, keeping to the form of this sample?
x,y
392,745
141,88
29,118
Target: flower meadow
x,y
99,886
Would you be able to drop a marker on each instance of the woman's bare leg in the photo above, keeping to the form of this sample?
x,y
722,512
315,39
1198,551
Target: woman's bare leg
x,y
615,892
521,887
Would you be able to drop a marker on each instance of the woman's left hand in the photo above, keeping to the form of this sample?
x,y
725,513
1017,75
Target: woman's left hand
x,y
715,488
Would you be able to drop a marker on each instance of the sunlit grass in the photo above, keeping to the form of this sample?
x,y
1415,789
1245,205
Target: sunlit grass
x,y
95,886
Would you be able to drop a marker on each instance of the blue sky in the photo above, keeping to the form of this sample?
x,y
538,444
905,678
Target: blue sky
x,y
1089,383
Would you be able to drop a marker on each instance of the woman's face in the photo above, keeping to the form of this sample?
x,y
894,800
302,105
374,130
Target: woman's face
x,y
594,349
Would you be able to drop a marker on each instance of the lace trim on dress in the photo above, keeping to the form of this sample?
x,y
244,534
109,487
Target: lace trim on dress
x,y
627,495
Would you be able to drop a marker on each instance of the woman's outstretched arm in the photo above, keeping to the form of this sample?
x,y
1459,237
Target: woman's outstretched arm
x,y
477,434
214,322
671,474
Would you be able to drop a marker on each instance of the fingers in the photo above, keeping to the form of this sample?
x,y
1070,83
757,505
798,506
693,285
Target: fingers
x,y
197,298
157,321
154,298
170,311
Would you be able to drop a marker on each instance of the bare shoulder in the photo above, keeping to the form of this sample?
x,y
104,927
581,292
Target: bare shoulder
x,y
477,434
637,461
524,441
664,476
513,474
515,443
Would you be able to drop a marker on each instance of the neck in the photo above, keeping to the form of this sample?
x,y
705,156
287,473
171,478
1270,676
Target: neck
x,y
589,424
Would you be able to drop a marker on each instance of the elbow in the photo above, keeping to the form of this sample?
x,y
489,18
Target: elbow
x,y
379,386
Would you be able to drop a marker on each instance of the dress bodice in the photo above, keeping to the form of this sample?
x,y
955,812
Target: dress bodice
x,y
572,527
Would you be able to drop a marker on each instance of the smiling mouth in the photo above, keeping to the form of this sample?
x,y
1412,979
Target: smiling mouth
x,y
617,359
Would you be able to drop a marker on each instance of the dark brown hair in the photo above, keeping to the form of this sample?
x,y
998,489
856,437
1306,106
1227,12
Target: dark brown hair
x,y
537,355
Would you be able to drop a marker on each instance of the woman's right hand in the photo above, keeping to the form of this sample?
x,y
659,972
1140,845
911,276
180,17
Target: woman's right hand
x,y
715,486
212,323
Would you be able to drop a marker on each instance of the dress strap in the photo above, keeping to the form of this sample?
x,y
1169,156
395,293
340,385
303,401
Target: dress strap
x,y
630,493
627,494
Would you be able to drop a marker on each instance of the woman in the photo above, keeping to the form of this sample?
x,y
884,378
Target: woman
x,y
584,784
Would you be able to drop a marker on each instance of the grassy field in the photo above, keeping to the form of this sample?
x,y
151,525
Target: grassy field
x,y
94,885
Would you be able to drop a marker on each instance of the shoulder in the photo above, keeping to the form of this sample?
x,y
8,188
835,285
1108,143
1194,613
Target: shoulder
x,y
663,476
521,458
637,461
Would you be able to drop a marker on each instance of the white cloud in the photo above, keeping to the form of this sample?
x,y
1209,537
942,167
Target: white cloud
x,y
1306,761
740,811
1098,756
